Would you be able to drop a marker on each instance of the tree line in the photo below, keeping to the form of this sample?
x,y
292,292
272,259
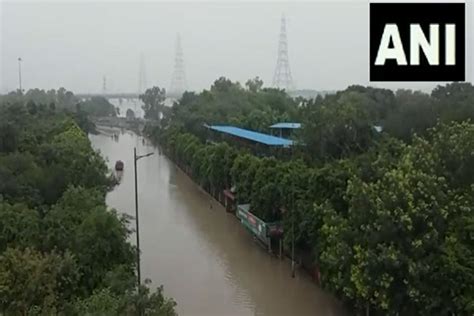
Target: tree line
x,y
61,99
62,250
387,215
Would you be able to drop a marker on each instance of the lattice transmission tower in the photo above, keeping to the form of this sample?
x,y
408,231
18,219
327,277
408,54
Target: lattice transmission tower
x,y
178,80
142,84
282,77
104,85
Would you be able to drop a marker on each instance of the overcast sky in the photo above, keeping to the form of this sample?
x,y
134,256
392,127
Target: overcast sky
x,y
74,44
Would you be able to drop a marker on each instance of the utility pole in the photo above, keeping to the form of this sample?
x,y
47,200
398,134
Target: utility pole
x,y
292,221
19,73
292,231
135,159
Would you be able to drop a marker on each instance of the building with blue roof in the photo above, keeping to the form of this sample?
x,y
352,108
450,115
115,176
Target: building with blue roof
x,y
251,137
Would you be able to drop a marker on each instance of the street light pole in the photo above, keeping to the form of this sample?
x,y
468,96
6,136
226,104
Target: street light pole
x,y
292,223
19,72
293,235
136,217
137,226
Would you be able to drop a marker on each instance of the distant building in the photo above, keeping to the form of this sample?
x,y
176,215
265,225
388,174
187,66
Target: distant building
x,y
284,129
260,143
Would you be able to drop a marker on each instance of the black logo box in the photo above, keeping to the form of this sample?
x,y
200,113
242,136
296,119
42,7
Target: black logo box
x,y
404,14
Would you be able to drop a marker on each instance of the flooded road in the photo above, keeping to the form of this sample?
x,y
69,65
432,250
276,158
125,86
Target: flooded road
x,y
202,255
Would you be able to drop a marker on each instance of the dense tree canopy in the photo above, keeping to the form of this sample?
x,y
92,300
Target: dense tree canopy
x,y
62,251
98,106
153,102
61,100
229,103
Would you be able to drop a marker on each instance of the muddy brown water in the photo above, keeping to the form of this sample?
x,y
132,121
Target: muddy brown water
x,y
202,255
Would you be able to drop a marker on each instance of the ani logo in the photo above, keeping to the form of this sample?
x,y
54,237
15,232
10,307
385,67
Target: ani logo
x,y
417,41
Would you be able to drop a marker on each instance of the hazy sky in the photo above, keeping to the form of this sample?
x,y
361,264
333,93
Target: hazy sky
x,y
74,44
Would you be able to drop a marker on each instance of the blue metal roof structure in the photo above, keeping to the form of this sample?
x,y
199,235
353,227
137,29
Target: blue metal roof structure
x,y
286,125
253,136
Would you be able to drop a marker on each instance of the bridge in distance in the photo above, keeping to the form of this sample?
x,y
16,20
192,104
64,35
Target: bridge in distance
x,y
119,95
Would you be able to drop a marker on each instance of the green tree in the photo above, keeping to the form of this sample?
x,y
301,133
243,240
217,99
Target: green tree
x,y
32,283
130,114
20,227
98,106
413,113
59,243
338,127
81,223
153,99
386,252
254,85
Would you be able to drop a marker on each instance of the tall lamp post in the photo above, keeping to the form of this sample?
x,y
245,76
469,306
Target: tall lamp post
x,y
135,159
292,231
292,222
19,72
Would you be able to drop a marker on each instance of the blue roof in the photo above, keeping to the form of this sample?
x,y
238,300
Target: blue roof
x,y
253,136
286,125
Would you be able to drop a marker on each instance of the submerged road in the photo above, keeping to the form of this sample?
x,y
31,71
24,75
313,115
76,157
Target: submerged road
x,y
202,255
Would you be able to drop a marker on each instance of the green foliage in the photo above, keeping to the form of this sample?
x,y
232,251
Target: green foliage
x,y
32,283
413,113
20,178
220,162
59,243
338,126
81,224
85,167
394,244
105,303
38,98
20,227
47,154
153,99
36,102
450,147
254,85
265,195
102,302
130,114
454,102
98,106
229,103
12,119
